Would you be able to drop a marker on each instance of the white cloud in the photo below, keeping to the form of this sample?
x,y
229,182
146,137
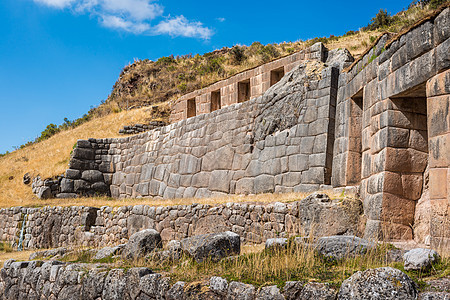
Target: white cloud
x,y
56,3
133,16
221,19
180,26
115,22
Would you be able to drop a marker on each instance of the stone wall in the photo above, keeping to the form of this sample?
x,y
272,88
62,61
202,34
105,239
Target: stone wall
x,y
57,280
391,113
52,227
279,142
138,128
258,80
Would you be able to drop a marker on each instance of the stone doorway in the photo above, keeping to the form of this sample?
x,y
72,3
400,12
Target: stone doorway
x,y
276,75
244,90
191,108
354,160
215,100
406,140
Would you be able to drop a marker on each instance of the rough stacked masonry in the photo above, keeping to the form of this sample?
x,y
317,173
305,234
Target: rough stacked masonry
x,y
382,125
51,227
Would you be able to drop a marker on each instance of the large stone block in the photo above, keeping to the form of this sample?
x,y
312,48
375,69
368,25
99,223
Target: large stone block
x,y
84,153
189,164
442,27
298,162
92,176
438,109
264,184
245,186
221,159
220,181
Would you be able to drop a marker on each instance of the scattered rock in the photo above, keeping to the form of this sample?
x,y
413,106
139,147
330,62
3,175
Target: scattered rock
x,y
382,283
318,291
218,285
292,290
214,246
395,255
176,292
108,252
141,243
419,259
276,243
242,291
26,179
54,254
338,247
269,293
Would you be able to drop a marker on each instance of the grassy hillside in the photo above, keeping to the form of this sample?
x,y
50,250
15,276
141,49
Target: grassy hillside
x,y
145,82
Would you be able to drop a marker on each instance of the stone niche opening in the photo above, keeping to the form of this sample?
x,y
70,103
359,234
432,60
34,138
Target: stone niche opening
x,y
355,139
276,75
215,100
243,90
191,108
406,140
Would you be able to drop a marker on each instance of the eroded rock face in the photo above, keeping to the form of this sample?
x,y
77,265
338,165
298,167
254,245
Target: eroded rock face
x,y
269,293
318,291
382,283
214,246
276,243
108,252
419,259
325,217
338,247
142,243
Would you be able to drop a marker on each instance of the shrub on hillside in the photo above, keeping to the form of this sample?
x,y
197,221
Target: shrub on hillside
x,y
237,55
381,19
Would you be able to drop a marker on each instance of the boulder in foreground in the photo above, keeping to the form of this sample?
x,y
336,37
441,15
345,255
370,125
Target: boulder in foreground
x,y
338,247
214,246
142,243
419,259
382,283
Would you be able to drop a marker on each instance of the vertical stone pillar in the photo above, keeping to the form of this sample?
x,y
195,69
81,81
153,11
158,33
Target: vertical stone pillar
x,y
438,106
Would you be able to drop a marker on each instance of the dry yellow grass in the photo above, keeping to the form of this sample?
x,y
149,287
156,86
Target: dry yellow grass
x,y
17,255
33,201
51,157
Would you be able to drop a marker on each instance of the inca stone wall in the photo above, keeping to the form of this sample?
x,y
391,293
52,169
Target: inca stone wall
x,y
52,227
246,85
381,124
391,128
279,142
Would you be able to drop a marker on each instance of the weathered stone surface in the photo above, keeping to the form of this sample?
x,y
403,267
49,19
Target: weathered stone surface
x,y
238,290
214,246
292,290
92,176
108,252
381,283
319,291
338,247
176,292
142,243
269,293
326,217
218,285
419,259
276,243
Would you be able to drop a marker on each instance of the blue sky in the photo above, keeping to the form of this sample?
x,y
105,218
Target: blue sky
x,y
60,57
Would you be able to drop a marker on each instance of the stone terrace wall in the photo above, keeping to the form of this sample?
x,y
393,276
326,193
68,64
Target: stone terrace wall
x,y
387,122
239,149
51,227
259,82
